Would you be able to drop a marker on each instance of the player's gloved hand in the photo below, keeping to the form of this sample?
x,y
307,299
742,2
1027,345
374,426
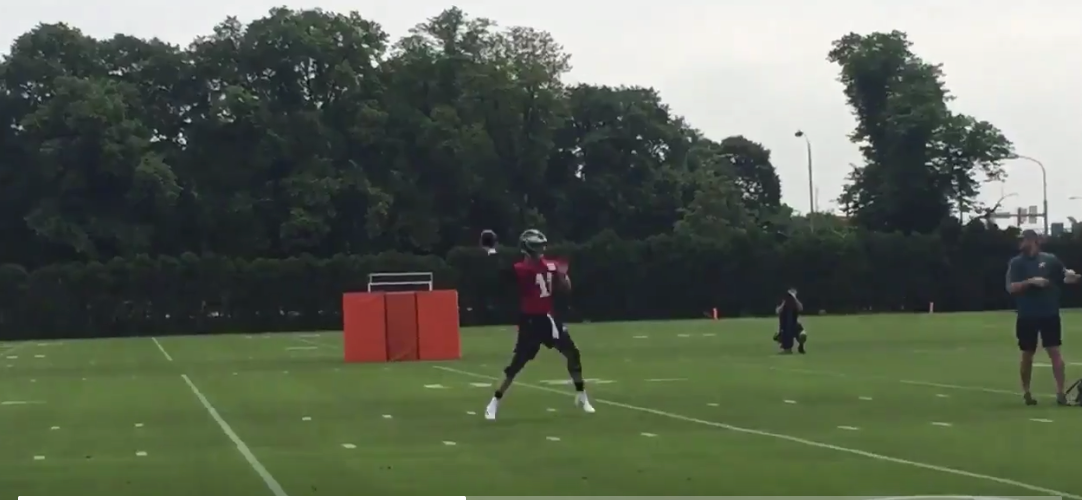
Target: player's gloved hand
x,y
488,241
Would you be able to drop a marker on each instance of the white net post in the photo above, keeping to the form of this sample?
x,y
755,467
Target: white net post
x,y
400,282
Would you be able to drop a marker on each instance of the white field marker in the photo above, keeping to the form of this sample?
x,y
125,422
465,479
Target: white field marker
x,y
138,425
683,335
471,413
550,410
54,428
140,453
552,438
865,398
711,404
160,348
480,384
39,356
434,386
286,372
666,379
234,373
641,336
388,417
848,428
942,396
709,334
302,348
269,481
39,457
790,402
1041,420
349,446
941,424
20,403
33,380
306,419
13,357
449,443
649,435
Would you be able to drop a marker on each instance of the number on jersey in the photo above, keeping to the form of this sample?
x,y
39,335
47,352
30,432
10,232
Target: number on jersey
x,y
544,282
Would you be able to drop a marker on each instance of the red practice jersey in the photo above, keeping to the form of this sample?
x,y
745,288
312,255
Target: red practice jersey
x,y
535,278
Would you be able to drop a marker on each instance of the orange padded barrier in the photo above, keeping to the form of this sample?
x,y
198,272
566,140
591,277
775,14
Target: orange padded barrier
x,y
401,326
437,325
364,327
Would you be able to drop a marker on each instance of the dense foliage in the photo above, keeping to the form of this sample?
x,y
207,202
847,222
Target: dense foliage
x,y
145,186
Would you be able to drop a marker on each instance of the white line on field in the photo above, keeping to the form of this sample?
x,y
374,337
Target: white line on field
x,y
140,453
162,349
302,348
388,417
884,379
552,438
711,404
39,457
790,402
449,443
1041,420
865,398
272,484
941,424
666,379
642,336
649,434
793,439
349,446
848,428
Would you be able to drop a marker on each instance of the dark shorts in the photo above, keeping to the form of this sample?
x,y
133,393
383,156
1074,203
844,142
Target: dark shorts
x,y
1045,330
536,330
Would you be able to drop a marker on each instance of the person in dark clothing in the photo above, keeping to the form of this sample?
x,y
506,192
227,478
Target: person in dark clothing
x,y
790,331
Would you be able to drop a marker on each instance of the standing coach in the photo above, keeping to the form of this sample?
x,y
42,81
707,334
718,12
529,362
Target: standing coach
x,y
1034,278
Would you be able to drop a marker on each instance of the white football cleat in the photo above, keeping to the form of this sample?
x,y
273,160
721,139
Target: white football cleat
x,y
584,402
490,410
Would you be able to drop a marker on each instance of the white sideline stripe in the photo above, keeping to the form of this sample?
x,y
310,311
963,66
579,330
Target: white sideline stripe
x,y
883,379
794,439
162,349
272,484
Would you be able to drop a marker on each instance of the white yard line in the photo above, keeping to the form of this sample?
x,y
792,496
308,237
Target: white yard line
x,y
792,439
16,347
890,380
162,349
268,479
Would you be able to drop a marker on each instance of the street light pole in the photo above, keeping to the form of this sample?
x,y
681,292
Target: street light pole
x,y
1044,187
811,178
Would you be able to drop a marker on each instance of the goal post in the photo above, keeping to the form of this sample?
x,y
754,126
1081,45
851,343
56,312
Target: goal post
x,y
400,282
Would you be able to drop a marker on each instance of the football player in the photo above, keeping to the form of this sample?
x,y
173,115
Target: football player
x,y
536,278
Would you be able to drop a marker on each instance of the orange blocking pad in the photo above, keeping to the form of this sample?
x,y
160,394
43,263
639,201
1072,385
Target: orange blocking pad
x,y
437,327
401,326
364,323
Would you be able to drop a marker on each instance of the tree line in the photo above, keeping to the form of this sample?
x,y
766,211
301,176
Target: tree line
x,y
309,140
661,277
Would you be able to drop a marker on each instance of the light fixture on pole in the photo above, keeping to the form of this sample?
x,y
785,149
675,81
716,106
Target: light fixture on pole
x,y
811,179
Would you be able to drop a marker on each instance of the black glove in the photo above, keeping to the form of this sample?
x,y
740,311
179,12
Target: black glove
x,y
488,241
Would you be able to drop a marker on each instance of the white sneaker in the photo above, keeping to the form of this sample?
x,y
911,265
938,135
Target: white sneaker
x,y
490,411
584,402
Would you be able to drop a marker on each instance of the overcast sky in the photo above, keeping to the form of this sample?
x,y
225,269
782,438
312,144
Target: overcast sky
x,y
752,67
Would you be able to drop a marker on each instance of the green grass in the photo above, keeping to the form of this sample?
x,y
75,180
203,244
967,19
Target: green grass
x,y
720,425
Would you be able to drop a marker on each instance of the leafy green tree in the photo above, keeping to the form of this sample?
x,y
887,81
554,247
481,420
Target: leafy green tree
x,y
921,161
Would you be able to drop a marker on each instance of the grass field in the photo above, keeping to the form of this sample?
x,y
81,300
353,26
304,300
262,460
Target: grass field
x,y
882,405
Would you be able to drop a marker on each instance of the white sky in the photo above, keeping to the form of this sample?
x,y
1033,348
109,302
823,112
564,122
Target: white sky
x,y
756,68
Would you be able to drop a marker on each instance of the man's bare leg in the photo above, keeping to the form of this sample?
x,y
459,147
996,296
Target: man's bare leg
x,y
1059,372
1025,372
